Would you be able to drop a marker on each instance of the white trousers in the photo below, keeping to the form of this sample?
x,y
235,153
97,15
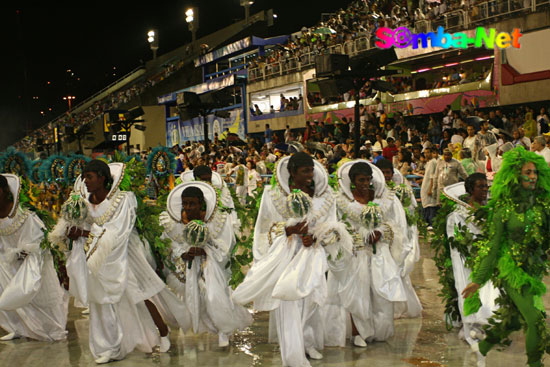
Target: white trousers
x,y
117,329
299,327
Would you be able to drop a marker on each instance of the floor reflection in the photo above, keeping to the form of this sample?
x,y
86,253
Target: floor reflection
x,y
424,342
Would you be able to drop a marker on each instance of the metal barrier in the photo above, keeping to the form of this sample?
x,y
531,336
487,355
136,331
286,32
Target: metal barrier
x,y
489,10
451,21
422,26
479,14
307,59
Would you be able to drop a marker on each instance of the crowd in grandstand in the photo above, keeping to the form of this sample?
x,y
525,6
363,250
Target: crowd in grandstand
x,y
360,19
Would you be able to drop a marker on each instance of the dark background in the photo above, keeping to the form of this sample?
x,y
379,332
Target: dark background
x,y
101,41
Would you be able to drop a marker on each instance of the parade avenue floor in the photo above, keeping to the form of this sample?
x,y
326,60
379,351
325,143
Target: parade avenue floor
x,y
424,342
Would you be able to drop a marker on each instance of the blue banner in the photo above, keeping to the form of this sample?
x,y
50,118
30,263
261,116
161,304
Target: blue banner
x,y
179,132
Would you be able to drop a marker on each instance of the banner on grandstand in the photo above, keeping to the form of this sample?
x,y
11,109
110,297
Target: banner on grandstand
x,y
178,132
420,106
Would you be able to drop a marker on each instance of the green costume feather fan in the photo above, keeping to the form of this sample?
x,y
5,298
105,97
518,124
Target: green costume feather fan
x,y
440,245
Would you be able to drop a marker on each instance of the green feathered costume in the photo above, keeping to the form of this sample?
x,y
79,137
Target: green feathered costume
x,y
515,255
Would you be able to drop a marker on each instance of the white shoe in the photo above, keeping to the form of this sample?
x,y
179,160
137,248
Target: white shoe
x,y
359,342
164,344
480,357
9,337
86,311
223,340
313,353
103,360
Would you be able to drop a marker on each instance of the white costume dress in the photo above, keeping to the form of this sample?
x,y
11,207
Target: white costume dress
x,y
411,254
288,278
369,283
32,303
488,293
225,196
110,272
204,286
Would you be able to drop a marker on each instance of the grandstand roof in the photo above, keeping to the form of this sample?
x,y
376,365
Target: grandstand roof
x,y
239,46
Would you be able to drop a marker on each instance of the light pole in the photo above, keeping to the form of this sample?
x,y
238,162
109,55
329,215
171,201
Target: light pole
x,y
153,39
192,19
69,99
246,4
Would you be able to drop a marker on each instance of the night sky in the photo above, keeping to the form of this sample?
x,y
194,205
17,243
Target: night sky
x,y
103,40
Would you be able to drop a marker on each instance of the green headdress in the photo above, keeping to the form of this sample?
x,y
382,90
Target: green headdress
x,y
507,181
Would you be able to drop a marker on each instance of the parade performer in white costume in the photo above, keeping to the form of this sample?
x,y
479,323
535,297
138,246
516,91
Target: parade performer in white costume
x,y
369,284
32,303
401,189
201,235
467,195
204,173
296,233
107,265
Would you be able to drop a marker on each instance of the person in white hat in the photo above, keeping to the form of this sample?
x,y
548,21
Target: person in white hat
x,y
376,154
32,303
108,266
296,238
201,235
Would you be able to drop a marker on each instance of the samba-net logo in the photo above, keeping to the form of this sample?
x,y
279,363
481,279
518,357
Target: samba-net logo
x,y
403,37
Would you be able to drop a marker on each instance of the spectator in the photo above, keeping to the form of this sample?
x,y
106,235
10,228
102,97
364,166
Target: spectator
x,y
390,150
448,171
268,135
539,146
543,122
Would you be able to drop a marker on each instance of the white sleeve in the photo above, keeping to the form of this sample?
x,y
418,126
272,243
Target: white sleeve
x,y
26,282
267,216
109,241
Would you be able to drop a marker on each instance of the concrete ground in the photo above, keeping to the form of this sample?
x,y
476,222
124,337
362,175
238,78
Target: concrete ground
x,y
421,342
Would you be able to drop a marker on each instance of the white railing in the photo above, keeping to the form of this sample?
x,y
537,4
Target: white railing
x,y
479,14
451,21
306,60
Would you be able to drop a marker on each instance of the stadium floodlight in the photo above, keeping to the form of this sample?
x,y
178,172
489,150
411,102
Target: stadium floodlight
x,y
192,19
246,4
152,38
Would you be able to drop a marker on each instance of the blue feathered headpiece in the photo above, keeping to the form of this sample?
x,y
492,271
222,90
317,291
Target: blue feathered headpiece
x,y
161,162
53,169
15,162
74,166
